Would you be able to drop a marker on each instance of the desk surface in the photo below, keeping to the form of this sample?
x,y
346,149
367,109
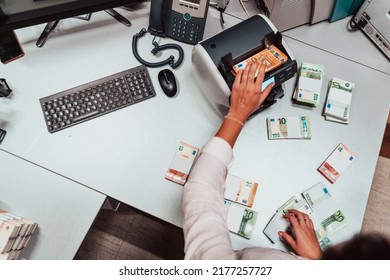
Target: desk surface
x,y
33,193
125,154
354,46
331,37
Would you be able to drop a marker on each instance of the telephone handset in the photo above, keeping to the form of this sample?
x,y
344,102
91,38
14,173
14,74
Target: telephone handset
x,y
182,20
157,17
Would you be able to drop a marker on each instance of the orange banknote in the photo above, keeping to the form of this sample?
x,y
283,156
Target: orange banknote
x,y
272,57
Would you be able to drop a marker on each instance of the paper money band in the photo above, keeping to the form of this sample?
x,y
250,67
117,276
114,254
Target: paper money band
x,y
234,119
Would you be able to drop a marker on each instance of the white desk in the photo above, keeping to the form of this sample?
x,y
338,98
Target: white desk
x,y
63,209
125,154
354,46
331,37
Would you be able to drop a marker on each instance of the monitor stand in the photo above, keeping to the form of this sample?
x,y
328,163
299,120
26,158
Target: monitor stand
x,y
50,26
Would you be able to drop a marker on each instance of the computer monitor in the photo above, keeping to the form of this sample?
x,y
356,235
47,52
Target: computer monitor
x,y
15,14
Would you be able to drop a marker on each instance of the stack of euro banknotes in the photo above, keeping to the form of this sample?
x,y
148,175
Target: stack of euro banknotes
x,y
308,92
308,88
239,193
292,127
338,103
239,198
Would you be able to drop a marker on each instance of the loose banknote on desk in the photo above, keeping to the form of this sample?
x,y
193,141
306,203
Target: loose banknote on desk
x,y
181,164
240,220
272,57
321,208
240,191
308,89
338,103
328,213
337,163
279,223
289,128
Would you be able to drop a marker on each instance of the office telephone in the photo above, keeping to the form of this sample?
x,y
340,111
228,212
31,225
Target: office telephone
x,y
182,20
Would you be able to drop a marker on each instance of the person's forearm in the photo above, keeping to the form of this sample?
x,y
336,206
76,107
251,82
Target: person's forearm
x,y
230,129
205,229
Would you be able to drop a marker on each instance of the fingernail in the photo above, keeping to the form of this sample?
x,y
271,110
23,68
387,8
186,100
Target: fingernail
x,y
280,233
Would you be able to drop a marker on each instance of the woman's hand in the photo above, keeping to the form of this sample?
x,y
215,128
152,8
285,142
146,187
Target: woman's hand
x,y
305,242
246,91
245,99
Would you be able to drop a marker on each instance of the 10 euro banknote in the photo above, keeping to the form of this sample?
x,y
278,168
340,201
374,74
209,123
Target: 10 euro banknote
x,y
289,128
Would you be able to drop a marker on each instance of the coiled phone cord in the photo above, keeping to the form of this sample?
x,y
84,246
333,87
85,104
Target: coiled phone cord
x,y
170,60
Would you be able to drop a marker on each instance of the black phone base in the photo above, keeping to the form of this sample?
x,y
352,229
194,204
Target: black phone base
x,y
50,26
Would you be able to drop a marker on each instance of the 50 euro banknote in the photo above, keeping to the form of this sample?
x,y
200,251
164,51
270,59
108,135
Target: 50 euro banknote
x,y
181,163
272,57
239,190
337,163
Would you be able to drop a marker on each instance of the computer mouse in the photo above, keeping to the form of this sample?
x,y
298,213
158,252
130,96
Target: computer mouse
x,y
167,82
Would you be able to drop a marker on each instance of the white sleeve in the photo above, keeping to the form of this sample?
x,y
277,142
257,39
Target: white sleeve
x,y
205,230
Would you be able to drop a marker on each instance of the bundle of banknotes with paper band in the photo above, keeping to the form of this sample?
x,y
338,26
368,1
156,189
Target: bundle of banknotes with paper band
x,y
336,163
308,89
240,191
181,164
319,205
289,128
240,220
272,57
338,103
326,210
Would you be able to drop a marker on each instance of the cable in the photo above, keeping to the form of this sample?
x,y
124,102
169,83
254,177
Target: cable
x,y
243,7
221,11
170,60
223,25
353,26
263,8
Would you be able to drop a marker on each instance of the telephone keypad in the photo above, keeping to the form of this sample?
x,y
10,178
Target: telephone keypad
x,y
183,29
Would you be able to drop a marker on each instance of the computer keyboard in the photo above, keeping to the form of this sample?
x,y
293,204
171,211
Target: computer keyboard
x,y
97,98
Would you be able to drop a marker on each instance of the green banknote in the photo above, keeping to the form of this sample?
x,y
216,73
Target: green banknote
x,y
241,220
327,212
309,84
339,99
247,223
334,222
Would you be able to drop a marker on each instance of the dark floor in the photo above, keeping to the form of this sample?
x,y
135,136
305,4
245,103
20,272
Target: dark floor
x,y
129,234
385,149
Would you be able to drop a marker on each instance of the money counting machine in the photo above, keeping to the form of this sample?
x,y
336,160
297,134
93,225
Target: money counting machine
x,y
214,58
